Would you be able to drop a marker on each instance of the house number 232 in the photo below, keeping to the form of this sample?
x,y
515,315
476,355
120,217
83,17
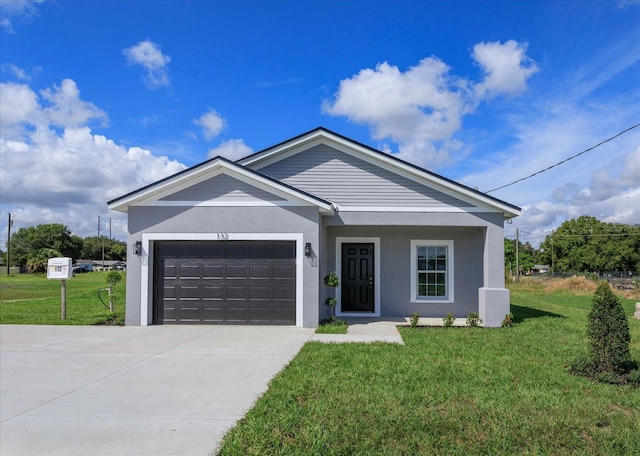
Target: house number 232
x,y
223,236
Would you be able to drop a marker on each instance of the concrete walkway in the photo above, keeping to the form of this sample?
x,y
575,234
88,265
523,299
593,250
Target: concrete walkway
x,y
158,390
367,330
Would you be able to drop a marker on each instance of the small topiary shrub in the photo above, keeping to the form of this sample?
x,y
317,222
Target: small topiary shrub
x,y
448,320
608,332
473,319
609,359
414,319
331,280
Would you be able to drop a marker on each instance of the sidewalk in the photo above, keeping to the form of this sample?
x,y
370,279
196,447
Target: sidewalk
x,y
367,330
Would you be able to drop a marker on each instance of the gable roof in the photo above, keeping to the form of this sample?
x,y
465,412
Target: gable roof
x,y
322,135
206,170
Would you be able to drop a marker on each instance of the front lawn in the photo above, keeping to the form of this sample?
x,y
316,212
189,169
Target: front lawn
x,y
450,391
33,299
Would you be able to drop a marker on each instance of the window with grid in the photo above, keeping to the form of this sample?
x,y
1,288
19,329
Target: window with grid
x,y
432,271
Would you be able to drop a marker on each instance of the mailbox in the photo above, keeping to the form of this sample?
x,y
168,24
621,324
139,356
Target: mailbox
x,y
59,268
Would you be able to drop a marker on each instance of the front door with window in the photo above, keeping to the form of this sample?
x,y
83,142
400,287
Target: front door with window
x,y
357,277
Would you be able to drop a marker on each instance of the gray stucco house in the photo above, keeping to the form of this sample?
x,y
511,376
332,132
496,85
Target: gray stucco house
x,y
249,242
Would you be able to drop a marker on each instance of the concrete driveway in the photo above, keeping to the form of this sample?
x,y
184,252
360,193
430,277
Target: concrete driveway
x,y
158,390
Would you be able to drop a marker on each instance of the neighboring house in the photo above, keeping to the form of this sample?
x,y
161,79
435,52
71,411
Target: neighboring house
x,y
540,269
249,242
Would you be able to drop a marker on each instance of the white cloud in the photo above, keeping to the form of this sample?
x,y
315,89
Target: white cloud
x,y
211,122
506,67
21,110
67,176
15,71
18,105
148,54
20,10
422,108
67,109
233,149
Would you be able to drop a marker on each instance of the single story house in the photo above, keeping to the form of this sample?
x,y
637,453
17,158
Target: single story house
x,y
540,269
249,242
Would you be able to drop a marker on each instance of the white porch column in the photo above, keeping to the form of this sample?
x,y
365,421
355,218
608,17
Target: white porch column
x,y
493,297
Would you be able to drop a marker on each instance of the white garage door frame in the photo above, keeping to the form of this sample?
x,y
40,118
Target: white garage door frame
x,y
146,272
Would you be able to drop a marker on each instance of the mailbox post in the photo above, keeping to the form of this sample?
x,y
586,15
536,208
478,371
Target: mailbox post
x,y
60,269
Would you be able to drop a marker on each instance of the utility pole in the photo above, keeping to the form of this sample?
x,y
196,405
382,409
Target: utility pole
x,y
517,255
101,238
9,245
552,270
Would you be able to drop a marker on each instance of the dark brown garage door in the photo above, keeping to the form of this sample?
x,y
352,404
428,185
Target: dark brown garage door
x,y
225,282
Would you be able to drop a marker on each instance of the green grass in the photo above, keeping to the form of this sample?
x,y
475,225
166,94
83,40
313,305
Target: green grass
x,y
33,299
332,325
450,391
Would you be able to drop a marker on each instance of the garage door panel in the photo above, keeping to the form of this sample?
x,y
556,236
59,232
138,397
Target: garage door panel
x,y
226,282
260,294
281,271
190,270
236,271
213,271
284,294
190,313
257,271
212,314
212,292
187,292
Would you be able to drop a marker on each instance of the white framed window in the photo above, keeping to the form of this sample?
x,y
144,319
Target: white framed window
x,y
432,271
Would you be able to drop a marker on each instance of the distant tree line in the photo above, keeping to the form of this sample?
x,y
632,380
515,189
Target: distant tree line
x,y
584,244
36,244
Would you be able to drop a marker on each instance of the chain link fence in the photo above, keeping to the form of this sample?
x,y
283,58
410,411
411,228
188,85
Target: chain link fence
x,y
621,280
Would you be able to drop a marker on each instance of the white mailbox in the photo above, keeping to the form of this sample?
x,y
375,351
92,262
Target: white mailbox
x,y
59,268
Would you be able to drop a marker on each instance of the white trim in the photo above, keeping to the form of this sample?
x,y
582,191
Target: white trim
x,y
414,271
147,260
227,203
433,209
200,174
376,264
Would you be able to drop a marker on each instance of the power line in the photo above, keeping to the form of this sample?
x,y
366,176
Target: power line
x,y
566,159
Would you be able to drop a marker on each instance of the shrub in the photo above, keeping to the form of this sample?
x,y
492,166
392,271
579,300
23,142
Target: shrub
x,y
508,321
413,320
608,332
448,320
634,377
473,319
331,280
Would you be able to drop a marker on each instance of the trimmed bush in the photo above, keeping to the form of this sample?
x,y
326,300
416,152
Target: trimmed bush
x,y
448,320
608,332
473,319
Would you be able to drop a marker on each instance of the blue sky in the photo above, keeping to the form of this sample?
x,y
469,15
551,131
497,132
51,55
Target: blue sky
x,y
100,98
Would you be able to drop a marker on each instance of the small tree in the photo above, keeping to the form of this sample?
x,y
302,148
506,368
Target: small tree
x,y
113,278
331,280
608,332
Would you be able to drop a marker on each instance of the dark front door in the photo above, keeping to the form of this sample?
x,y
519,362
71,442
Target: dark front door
x,y
357,277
